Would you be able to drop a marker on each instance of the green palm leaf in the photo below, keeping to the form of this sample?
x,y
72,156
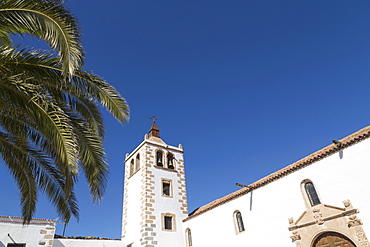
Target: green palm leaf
x,y
47,20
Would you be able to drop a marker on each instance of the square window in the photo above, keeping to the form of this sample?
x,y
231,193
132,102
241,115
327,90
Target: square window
x,y
166,188
168,222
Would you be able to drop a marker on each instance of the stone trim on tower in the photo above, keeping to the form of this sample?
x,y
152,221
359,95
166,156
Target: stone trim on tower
x,y
155,201
147,222
182,187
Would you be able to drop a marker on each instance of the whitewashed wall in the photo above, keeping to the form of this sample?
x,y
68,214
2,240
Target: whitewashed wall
x,y
38,233
266,224
168,204
132,197
87,243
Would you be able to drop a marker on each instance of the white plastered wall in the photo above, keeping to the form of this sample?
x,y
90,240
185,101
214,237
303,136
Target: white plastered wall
x,y
33,235
132,203
172,205
88,243
343,175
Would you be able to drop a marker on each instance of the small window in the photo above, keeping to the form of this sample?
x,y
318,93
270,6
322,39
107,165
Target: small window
x,y
189,240
168,222
311,194
170,161
239,222
159,161
16,245
166,188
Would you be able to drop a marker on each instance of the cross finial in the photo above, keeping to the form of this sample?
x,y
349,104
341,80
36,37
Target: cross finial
x,y
154,131
153,117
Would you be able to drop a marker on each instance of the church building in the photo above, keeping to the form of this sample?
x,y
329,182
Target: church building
x,y
321,200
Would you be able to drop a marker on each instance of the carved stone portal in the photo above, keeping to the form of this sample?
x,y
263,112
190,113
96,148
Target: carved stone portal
x,y
325,218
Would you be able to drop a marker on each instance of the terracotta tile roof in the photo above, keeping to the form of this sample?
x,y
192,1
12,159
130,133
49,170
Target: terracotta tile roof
x,y
306,161
79,237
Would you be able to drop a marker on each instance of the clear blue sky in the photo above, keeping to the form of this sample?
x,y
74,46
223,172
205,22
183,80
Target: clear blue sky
x,y
247,87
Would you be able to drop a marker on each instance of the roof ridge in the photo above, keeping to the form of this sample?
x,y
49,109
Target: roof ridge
x,y
17,217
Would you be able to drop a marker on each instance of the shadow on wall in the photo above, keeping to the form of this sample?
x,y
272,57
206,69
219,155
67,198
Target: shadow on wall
x,y
341,154
56,243
1,244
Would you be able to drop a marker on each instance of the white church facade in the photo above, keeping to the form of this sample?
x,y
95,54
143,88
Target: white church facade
x,y
313,202
320,200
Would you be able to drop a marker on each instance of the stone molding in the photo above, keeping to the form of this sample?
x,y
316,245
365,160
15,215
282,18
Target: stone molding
x,y
325,218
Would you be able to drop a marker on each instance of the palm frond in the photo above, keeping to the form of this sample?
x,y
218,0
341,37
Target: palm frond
x,y
89,85
33,171
5,39
104,93
59,139
48,20
93,159
13,155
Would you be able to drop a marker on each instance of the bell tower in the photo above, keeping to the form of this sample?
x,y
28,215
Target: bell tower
x,y
155,201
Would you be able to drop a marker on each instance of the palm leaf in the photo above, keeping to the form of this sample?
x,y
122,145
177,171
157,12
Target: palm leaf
x,y
50,120
33,171
48,20
89,85
13,155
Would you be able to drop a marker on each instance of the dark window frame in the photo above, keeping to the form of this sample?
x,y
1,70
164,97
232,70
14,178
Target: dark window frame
x,y
166,188
239,222
189,238
168,224
311,193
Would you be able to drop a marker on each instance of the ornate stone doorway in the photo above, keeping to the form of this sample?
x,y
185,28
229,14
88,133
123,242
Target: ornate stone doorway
x,y
320,220
333,239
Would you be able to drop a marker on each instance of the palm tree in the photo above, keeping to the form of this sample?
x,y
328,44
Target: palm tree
x,y
50,122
